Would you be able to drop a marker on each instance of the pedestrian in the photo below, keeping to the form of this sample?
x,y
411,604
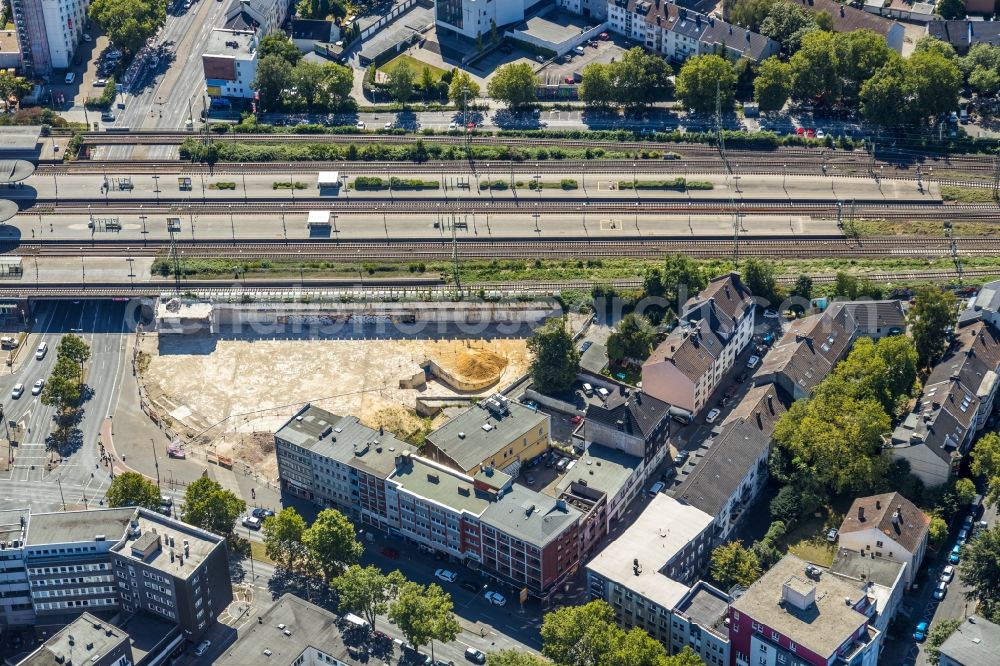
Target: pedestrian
x,y
253,494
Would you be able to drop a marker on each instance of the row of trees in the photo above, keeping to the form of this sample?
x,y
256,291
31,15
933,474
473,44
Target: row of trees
x,y
128,23
64,389
326,547
637,79
402,85
286,81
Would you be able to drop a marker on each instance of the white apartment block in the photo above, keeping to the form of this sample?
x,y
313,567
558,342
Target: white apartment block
x,y
48,32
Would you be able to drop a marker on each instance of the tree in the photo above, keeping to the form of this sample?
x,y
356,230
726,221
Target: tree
x,y
986,463
683,277
760,280
773,84
640,78
427,81
928,44
555,359
965,491
128,23
632,338
338,81
330,543
597,89
936,82
951,9
424,614
788,24
62,389
278,43
367,590
859,53
785,505
400,83
732,564
309,80
984,81
494,33
815,68
514,658
460,81
211,507
75,349
133,489
514,84
751,13
282,534
938,634
274,76
886,97
581,635
13,86
686,657
802,289
705,78
884,371
931,320
937,532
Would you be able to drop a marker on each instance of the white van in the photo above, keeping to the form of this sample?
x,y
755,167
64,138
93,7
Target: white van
x,y
41,351
356,621
588,389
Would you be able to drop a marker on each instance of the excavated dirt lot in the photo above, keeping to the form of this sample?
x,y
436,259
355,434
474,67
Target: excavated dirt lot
x,y
252,386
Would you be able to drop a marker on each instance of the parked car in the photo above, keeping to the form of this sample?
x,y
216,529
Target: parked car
x,y
471,586
579,50
251,522
100,83
587,344
445,575
87,38
70,77
920,633
360,124
956,555
108,117
742,377
36,388
656,488
202,647
603,36
17,391
831,535
963,536
753,361
681,457
712,415
771,314
947,574
940,590
475,656
496,598
529,479
576,419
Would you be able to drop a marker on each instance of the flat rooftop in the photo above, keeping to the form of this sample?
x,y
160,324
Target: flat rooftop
x,y
824,625
286,630
200,544
531,516
19,137
80,641
147,633
220,43
657,535
13,524
343,438
707,607
442,485
183,308
554,27
465,440
78,526
602,468
869,569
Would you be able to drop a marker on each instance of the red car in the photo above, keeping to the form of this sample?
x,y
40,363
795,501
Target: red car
x,y
603,36
800,131
811,133
570,79
576,419
391,553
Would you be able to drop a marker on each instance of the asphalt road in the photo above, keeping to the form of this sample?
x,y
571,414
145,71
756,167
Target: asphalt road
x,y
78,480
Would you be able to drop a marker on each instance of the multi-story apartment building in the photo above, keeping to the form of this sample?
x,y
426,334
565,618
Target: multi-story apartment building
x,y
497,433
887,526
797,613
86,640
974,643
630,421
335,461
957,400
48,32
472,18
112,560
873,319
646,572
715,326
518,536
595,9
677,33
700,622
230,63
734,469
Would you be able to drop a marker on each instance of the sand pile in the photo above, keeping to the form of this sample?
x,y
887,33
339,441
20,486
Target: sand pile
x,y
479,364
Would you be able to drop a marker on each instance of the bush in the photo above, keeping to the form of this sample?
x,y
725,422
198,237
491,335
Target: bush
x,y
568,184
103,101
368,183
679,183
222,186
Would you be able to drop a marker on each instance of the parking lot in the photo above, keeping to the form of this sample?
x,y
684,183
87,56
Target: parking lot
x,y
597,51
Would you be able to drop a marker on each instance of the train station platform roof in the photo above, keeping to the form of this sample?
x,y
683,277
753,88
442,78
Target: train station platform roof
x,y
20,141
8,209
14,171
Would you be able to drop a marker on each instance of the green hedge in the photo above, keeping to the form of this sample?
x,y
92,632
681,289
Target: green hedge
x,y
376,183
104,100
679,183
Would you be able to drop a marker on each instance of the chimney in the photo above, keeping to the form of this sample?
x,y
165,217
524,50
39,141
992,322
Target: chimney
x,y
842,10
878,504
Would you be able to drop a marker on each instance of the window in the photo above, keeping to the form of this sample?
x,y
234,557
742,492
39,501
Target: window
x,y
878,544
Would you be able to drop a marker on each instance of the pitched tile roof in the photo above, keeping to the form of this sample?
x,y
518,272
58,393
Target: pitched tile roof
x,y
873,314
893,515
691,347
640,414
964,34
728,297
718,477
761,407
847,19
810,348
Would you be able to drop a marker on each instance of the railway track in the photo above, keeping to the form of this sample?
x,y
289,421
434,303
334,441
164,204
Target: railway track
x,y
411,250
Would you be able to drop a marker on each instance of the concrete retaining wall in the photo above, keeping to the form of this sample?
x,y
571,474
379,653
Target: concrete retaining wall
x,y
402,314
